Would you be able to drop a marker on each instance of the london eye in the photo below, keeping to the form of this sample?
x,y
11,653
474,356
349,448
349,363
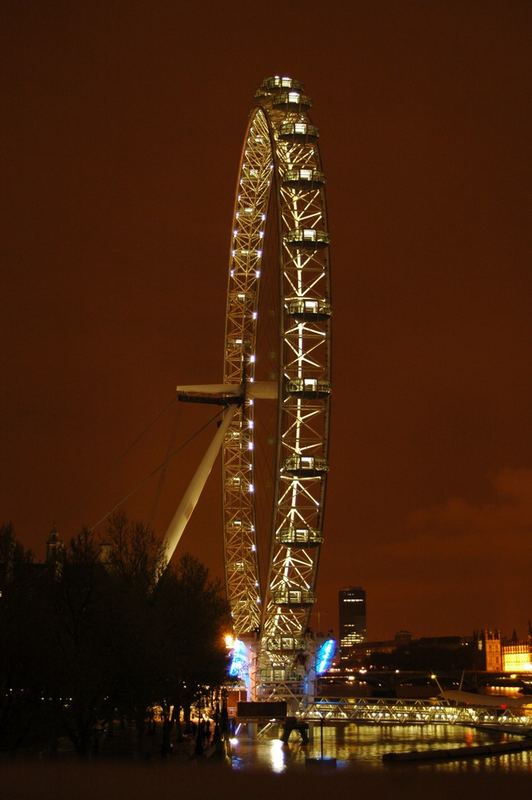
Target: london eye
x,y
276,383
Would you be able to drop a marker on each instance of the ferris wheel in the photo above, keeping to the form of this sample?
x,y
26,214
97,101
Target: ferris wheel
x,y
276,381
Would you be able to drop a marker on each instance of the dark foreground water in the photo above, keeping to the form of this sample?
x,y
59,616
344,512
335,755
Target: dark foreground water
x,y
361,747
265,770
204,780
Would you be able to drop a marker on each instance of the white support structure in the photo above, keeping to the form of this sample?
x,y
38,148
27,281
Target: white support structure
x,y
190,498
262,390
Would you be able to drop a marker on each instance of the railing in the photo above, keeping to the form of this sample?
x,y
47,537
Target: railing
x,y
385,711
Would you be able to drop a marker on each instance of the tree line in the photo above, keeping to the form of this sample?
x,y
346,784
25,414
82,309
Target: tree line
x,y
100,633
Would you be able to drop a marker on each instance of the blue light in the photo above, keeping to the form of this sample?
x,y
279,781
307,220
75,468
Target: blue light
x,y
239,666
325,655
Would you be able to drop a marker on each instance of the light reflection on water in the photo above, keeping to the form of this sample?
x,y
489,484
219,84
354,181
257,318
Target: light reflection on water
x,y
362,747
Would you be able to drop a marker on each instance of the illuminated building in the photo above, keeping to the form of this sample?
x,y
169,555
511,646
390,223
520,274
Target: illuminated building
x,y
499,656
517,657
352,619
489,645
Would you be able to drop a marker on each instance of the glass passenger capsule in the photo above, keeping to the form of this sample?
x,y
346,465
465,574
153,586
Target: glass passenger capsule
x,y
307,238
308,309
298,132
303,178
308,387
305,466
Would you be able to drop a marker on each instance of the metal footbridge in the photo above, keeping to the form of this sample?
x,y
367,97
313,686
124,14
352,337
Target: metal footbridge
x,y
392,711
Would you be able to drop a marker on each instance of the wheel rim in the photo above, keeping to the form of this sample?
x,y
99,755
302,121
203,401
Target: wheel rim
x,y
280,172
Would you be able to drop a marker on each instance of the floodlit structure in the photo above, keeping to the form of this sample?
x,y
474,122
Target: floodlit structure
x,y
352,619
517,657
276,389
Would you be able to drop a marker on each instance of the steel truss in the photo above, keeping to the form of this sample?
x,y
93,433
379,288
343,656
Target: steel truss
x,y
280,174
385,711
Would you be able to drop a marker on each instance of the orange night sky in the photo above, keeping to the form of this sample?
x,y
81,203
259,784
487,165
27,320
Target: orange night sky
x,y
121,135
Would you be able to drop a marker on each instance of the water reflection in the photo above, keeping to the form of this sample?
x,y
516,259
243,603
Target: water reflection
x,y
277,755
362,747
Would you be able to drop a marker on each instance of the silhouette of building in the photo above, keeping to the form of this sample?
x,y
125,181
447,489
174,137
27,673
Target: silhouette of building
x,y
352,619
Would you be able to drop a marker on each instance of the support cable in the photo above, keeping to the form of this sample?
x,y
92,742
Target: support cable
x,y
164,471
85,502
154,471
137,439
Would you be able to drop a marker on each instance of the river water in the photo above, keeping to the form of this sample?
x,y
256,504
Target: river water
x,y
361,747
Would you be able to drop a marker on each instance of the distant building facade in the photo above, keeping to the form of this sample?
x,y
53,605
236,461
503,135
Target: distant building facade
x,y
504,656
489,646
352,620
517,657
